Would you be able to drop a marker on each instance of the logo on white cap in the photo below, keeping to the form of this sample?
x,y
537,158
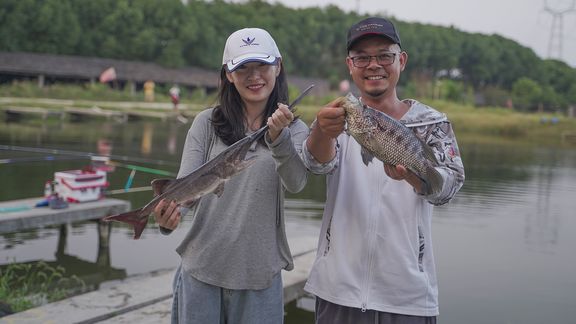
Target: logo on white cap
x,y
249,41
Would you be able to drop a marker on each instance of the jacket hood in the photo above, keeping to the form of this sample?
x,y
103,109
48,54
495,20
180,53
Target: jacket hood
x,y
420,114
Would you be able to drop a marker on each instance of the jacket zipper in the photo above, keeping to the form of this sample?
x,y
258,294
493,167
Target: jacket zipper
x,y
365,290
371,248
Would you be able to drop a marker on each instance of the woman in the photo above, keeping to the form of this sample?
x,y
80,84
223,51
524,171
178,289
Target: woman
x,y
236,247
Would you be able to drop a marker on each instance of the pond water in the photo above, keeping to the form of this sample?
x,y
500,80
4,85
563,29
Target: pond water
x,y
504,246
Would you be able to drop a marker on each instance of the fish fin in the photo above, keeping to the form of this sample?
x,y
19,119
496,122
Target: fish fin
x,y
133,218
190,203
367,157
219,190
160,185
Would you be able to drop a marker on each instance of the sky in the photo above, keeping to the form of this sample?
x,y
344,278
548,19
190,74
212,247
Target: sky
x,y
524,21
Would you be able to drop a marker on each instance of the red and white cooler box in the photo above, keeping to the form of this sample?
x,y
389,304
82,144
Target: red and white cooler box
x,y
80,185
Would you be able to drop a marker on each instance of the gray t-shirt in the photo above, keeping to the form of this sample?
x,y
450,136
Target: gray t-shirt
x,y
238,240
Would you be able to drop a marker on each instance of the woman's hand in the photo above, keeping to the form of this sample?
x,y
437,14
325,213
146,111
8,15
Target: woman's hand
x,y
281,118
167,214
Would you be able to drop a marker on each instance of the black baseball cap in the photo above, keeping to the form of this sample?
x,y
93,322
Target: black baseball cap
x,y
372,26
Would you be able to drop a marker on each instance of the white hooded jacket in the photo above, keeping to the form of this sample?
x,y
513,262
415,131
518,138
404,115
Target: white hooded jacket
x,y
375,247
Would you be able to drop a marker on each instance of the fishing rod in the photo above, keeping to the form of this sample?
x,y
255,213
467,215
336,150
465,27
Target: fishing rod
x,y
143,169
84,154
40,159
135,168
130,190
72,155
73,158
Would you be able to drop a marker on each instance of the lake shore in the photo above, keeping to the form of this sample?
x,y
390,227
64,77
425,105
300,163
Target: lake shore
x,y
476,123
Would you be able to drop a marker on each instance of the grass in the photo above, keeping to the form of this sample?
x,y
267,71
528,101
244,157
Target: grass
x,y
488,123
505,124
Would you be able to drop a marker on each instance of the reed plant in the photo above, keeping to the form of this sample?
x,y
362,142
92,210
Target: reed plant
x,y
28,285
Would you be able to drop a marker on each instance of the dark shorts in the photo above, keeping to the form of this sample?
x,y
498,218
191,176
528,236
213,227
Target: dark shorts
x,y
330,313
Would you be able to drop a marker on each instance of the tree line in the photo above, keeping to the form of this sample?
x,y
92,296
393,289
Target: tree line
x,y
443,61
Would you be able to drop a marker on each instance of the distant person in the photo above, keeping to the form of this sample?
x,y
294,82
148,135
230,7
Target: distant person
x,y
149,91
236,246
175,97
344,87
102,160
374,261
104,146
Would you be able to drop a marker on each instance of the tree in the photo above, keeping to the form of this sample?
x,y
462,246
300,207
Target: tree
x,y
526,94
311,40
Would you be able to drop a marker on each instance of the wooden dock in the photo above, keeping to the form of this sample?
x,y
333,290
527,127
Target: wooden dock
x,y
13,114
146,299
20,215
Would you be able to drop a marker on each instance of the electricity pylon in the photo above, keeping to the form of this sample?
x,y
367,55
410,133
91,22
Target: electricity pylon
x,y
557,9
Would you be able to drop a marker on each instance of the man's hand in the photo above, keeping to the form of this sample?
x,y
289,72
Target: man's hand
x,y
400,172
331,119
167,214
330,122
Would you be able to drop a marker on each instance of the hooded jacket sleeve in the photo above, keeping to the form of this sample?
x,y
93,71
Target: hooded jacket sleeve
x,y
441,138
286,151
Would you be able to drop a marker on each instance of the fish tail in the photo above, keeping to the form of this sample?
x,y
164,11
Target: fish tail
x,y
133,218
434,181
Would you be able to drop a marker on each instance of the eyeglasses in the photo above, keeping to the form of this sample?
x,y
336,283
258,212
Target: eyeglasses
x,y
362,61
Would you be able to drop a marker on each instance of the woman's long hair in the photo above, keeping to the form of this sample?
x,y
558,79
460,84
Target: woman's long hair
x,y
228,115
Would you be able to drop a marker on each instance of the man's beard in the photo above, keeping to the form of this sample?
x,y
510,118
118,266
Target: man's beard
x,y
376,93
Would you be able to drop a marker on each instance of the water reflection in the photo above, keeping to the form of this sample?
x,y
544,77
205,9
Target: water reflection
x,y
147,133
91,273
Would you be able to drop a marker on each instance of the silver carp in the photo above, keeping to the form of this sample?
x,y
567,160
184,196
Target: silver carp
x,y
187,191
390,141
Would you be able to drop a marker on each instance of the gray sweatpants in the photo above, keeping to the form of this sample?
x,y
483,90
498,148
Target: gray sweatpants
x,y
330,313
195,302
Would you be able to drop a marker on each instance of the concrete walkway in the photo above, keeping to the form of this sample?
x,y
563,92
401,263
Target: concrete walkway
x,y
146,298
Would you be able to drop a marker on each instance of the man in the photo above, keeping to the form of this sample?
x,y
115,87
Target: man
x,y
374,262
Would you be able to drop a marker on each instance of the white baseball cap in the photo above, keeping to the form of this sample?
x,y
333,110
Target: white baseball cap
x,y
249,45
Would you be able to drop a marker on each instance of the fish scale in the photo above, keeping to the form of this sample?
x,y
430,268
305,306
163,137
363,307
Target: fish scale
x,y
391,142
